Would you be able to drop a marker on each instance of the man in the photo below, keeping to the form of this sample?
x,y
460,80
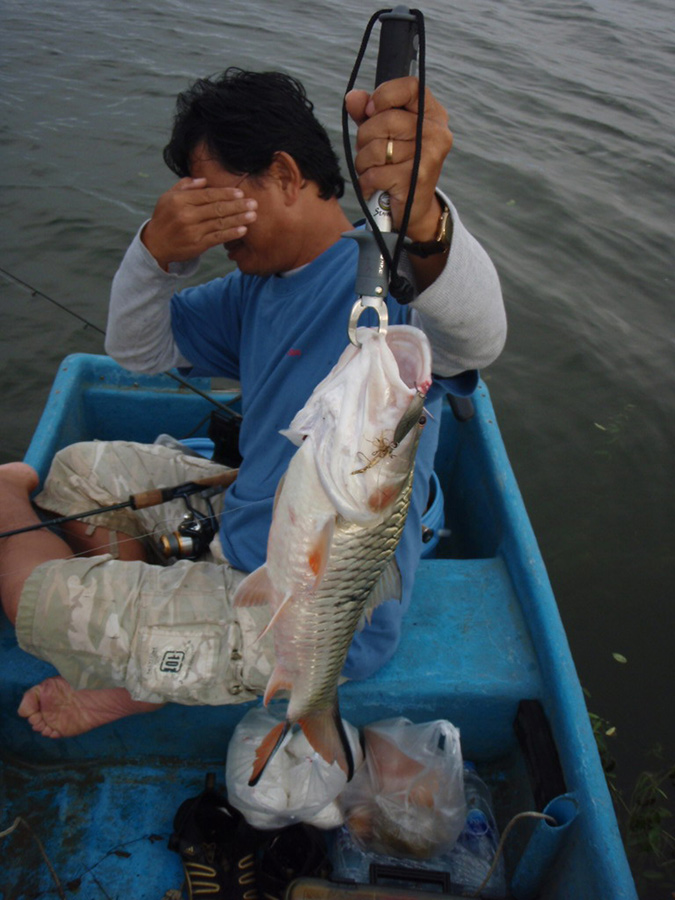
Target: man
x,y
257,175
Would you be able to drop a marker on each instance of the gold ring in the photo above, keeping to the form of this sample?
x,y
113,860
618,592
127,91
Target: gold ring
x,y
389,155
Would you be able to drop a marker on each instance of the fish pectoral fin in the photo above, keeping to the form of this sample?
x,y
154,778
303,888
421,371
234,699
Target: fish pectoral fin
x,y
319,553
279,680
266,750
326,733
255,590
387,587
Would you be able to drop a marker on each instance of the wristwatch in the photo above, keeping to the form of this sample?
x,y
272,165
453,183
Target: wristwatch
x,y
441,242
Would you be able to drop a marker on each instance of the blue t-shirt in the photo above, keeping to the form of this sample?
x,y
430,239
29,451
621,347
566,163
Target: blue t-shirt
x,y
279,336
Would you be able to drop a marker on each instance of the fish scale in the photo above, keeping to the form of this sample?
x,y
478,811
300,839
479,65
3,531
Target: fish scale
x,y
347,584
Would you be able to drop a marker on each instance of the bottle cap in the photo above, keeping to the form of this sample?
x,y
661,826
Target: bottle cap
x,y
476,823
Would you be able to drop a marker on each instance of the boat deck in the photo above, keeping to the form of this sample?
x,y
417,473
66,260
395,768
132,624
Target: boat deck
x,y
483,634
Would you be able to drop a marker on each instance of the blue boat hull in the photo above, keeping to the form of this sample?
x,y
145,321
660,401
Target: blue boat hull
x,y
483,634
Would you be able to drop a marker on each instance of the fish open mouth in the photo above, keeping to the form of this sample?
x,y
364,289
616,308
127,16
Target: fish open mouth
x,y
413,357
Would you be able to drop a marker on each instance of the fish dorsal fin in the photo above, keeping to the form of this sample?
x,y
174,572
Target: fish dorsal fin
x,y
255,590
387,587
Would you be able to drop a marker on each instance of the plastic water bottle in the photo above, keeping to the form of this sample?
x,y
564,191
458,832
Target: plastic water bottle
x,y
478,802
474,852
350,863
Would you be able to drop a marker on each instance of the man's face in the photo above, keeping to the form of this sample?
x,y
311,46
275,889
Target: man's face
x,y
262,250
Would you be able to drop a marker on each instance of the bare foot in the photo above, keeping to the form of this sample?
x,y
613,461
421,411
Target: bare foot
x,y
56,709
19,474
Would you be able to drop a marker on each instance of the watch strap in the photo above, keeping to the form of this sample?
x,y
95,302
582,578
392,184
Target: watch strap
x,y
441,242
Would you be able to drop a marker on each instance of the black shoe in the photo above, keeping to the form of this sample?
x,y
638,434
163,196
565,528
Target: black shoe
x,y
298,851
216,847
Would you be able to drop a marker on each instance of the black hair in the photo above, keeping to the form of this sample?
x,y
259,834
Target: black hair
x,y
244,118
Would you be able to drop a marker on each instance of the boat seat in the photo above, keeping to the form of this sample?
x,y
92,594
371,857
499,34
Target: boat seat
x,y
479,682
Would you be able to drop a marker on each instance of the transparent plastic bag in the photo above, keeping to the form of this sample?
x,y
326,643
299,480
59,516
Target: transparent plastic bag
x,y
407,800
298,785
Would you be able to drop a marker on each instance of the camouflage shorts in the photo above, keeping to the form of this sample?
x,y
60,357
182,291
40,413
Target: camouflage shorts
x,y
164,632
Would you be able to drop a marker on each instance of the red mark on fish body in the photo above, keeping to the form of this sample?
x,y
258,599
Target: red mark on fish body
x,y
294,352
382,497
315,561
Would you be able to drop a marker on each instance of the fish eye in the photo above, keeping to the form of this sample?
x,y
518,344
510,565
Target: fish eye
x,y
422,420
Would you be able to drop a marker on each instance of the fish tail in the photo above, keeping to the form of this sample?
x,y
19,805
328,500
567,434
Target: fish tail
x,y
266,750
326,733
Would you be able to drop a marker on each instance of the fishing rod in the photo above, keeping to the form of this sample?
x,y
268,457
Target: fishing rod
x,y
401,37
194,534
208,487
35,292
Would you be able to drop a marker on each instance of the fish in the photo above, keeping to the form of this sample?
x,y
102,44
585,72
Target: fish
x,y
338,516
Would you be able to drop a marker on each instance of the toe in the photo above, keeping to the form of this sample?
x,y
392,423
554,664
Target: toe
x,y
36,722
30,703
49,732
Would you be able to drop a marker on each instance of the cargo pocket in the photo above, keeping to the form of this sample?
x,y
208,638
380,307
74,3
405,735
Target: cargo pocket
x,y
179,665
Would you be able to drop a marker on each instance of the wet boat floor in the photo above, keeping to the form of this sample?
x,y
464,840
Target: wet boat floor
x,y
105,827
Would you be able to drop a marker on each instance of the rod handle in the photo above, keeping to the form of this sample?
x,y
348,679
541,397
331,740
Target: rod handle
x,y
161,495
398,44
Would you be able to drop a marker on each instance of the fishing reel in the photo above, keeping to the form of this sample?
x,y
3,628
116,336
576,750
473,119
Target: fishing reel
x,y
193,536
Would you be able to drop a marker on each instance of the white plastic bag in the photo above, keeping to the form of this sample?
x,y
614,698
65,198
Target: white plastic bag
x,y
408,798
298,785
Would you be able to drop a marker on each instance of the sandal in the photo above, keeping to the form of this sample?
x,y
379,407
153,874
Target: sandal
x,y
213,841
225,858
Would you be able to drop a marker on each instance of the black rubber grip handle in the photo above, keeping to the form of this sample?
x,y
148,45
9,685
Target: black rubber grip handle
x,y
398,44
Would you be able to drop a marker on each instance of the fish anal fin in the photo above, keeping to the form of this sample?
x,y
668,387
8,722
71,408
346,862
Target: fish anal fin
x,y
277,614
326,733
266,750
279,680
255,590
